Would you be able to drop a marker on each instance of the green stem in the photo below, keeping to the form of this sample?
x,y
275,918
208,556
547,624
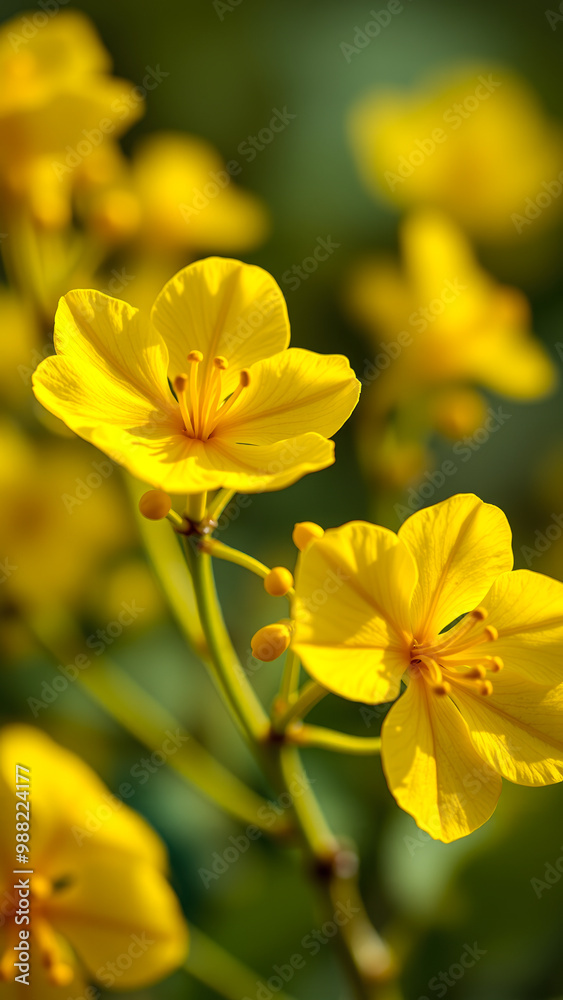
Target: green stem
x,y
328,739
311,693
218,550
218,504
217,969
195,507
152,725
239,693
290,678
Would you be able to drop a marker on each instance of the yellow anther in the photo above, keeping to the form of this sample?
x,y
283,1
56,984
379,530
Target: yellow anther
x,y
41,887
486,688
221,363
270,641
180,382
61,974
491,632
155,505
496,664
245,378
304,532
476,673
443,688
278,581
480,614
195,356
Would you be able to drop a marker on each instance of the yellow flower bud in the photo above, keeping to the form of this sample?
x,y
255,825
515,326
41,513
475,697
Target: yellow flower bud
x,y
155,504
270,641
278,581
304,532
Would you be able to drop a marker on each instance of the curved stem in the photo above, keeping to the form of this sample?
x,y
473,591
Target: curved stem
x,y
152,725
239,693
290,678
329,739
218,504
218,550
311,693
216,968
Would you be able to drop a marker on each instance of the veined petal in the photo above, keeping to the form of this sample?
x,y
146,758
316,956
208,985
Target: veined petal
x,y
526,608
432,767
291,392
353,588
460,547
518,729
179,464
118,908
222,307
110,368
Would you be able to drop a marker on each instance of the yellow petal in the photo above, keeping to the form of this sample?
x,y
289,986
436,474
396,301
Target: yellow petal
x,y
110,369
460,547
353,588
432,767
518,728
222,307
121,914
290,393
183,465
526,608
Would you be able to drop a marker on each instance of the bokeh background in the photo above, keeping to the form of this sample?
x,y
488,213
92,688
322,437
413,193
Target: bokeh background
x,y
227,69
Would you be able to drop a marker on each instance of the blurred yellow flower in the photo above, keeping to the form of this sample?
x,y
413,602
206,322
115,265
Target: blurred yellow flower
x,y
443,319
189,199
484,696
58,104
476,143
98,904
247,413
61,516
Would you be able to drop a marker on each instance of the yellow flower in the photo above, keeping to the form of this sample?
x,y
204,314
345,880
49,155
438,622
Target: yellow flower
x,y
100,905
61,517
484,697
188,199
247,413
57,104
445,320
476,144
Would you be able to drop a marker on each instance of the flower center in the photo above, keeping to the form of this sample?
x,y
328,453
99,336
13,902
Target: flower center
x,y
201,395
44,939
453,658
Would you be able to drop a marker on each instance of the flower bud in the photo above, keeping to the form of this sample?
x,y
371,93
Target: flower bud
x,y
155,505
278,581
270,641
305,532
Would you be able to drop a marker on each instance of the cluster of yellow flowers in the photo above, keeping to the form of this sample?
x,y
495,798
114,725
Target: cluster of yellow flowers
x,y
469,155
194,390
